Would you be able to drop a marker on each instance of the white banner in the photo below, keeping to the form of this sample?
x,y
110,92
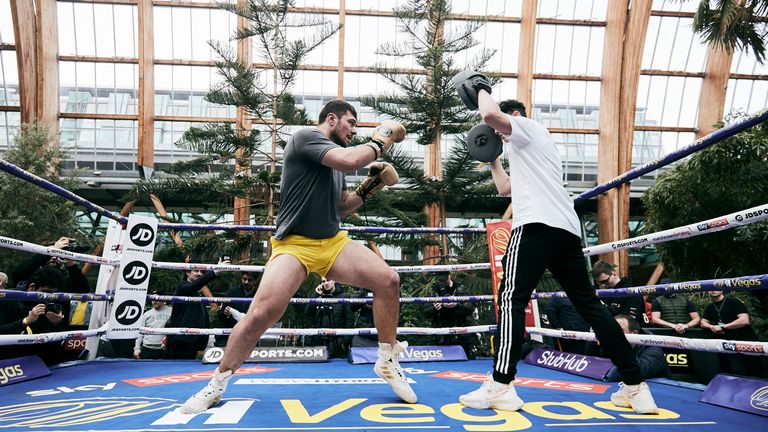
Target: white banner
x,y
133,278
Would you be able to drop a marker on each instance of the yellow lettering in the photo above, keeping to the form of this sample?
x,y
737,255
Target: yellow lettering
x,y
298,414
511,420
381,413
662,415
582,411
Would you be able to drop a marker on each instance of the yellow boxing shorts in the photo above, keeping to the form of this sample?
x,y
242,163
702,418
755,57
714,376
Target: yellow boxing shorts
x,y
316,255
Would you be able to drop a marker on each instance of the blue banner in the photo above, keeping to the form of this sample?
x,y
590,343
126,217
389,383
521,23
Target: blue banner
x,y
20,369
739,393
361,355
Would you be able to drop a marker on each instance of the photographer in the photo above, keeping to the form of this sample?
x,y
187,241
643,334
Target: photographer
x,y
364,319
36,318
337,315
249,283
74,280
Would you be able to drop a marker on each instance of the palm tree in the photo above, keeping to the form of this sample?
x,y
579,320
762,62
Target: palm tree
x,y
734,24
427,103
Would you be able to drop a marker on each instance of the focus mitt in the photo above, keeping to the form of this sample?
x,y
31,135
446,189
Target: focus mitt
x,y
467,84
483,143
380,174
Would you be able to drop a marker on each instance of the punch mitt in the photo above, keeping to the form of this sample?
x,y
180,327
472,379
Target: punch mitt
x,y
467,84
483,143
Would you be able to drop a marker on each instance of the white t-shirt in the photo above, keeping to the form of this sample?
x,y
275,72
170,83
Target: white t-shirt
x,y
536,177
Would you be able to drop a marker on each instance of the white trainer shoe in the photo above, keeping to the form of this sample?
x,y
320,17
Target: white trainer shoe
x,y
638,397
493,395
388,368
210,395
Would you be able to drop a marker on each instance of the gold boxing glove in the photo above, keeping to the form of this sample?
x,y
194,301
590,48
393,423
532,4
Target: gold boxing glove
x,y
386,134
380,174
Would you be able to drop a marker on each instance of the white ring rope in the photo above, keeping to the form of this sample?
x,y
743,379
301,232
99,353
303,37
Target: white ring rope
x,y
708,345
740,218
322,331
41,338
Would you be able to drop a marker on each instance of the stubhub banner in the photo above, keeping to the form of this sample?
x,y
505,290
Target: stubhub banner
x,y
588,366
361,355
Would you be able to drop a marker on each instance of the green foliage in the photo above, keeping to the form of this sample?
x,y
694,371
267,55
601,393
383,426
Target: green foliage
x,y
734,24
27,211
725,178
722,179
430,105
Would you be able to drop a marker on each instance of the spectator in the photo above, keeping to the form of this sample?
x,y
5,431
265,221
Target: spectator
x,y
190,315
674,311
364,319
451,314
651,359
605,276
727,318
152,346
335,315
74,280
37,318
249,283
562,315
3,281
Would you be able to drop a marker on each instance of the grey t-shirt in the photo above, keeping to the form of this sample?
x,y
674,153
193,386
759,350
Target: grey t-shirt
x,y
310,193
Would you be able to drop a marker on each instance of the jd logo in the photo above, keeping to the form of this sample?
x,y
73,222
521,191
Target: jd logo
x,y
128,312
135,272
142,234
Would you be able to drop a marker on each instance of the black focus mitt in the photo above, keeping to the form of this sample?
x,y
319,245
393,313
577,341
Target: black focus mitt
x,y
467,84
483,143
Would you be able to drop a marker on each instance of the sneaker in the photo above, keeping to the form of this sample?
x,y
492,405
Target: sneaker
x,y
493,395
638,397
388,368
210,395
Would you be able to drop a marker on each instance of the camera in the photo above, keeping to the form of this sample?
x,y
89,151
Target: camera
x,y
53,307
75,247
225,258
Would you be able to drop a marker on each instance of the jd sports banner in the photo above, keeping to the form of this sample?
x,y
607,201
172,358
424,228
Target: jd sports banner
x,y
133,277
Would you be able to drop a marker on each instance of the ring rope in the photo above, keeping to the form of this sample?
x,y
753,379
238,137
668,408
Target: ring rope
x,y
742,283
322,331
708,345
40,338
701,143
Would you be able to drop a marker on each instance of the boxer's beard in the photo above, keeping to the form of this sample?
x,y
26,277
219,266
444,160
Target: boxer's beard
x,y
336,138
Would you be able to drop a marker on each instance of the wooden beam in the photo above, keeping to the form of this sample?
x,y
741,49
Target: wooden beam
x,y
526,45
634,41
99,59
145,157
242,210
657,272
164,216
48,64
342,39
24,24
7,46
14,108
608,139
94,116
713,89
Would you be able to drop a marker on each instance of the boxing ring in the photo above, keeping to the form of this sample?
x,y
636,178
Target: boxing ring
x,y
142,395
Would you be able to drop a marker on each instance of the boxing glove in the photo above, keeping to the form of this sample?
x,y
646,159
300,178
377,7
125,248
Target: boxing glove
x,y
380,174
386,134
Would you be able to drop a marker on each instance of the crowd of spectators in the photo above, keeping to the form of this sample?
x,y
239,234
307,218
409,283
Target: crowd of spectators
x,y
725,317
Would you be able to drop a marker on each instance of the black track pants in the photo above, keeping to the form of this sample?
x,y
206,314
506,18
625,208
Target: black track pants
x,y
532,249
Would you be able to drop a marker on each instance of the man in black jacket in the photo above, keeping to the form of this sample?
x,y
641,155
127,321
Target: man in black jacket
x,y
651,359
249,283
190,315
336,315
451,314
605,276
